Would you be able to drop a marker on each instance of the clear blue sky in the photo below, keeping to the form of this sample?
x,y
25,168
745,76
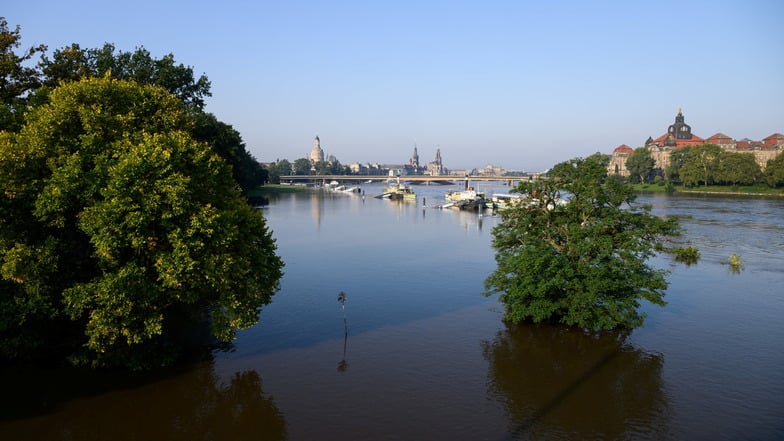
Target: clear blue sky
x,y
519,84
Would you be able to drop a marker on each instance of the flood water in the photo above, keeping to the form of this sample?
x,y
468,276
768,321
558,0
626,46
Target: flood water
x,y
418,353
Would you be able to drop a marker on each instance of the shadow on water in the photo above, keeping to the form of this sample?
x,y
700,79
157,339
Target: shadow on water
x,y
192,404
558,383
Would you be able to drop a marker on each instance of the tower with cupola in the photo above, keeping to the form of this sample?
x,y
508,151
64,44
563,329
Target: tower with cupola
x,y
316,154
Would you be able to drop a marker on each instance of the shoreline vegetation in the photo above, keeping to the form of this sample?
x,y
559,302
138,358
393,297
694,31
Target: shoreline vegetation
x,y
735,190
276,188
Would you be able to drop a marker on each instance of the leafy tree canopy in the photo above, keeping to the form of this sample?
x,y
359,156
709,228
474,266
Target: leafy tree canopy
x,y
574,251
640,164
277,169
228,143
302,166
16,79
118,228
774,171
677,159
73,63
701,165
738,169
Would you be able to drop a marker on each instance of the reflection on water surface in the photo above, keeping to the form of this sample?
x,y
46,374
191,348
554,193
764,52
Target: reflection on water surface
x,y
426,356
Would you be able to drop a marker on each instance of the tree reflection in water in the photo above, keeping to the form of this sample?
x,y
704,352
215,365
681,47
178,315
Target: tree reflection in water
x,y
192,405
562,383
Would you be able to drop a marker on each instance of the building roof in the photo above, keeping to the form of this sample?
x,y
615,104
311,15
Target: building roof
x,y
623,148
695,140
772,141
718,136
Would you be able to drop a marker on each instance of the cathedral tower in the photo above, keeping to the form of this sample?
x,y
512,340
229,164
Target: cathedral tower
x,y
415,159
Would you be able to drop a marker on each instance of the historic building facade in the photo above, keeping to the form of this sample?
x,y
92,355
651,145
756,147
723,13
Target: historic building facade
x,y
618,160
679,135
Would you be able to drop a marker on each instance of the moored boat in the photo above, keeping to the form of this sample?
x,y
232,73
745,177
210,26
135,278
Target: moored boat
x,y
398,191
468,199
502,201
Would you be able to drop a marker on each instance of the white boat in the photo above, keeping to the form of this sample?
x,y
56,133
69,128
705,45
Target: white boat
x,y
347,189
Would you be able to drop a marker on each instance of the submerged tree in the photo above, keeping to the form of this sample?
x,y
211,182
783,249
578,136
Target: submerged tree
x,y
118,229
574,251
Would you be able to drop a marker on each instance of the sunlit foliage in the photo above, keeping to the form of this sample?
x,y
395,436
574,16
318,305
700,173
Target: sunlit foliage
x,y
118,229
575,251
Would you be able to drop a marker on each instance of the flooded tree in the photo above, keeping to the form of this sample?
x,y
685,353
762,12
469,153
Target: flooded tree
x,y
574,250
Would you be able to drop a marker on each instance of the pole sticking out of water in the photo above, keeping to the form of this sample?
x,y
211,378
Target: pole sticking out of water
x,y
343,365
342,300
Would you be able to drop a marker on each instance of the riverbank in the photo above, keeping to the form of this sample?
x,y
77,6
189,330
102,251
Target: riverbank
x,y
745,190
276,188
259,196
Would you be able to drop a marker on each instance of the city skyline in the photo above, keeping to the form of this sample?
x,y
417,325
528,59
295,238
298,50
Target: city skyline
x,y
524,86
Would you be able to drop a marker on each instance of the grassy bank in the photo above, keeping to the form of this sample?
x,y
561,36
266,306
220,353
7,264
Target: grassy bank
x,y
276,188
751,190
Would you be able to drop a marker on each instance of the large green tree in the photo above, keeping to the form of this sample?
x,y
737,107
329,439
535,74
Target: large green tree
x,y
701,165
582,262
118,229
774,171
73,63
677,159
738,169
302,166
640,164
282,167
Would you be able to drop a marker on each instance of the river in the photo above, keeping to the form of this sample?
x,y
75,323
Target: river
x,y
417,352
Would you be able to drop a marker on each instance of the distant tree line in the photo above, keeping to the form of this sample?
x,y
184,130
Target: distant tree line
x,y
706,164
304,167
